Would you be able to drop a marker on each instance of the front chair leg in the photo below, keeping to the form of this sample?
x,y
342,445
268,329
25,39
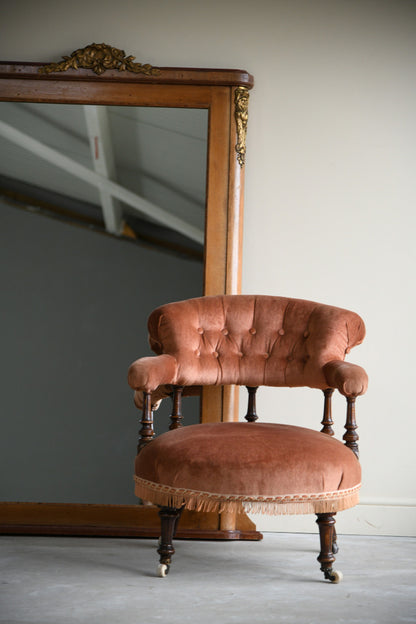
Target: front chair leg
x,y
334,540
178,517
326,524
169,517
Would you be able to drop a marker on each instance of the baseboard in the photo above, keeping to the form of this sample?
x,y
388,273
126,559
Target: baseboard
x,y
371,517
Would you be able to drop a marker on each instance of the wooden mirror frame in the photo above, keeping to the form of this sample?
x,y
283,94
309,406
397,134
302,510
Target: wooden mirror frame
x,y
103,75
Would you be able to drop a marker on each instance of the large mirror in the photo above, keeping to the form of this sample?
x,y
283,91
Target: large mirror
x,y
120,190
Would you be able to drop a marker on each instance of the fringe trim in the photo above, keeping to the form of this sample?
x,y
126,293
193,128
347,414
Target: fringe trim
x,y
195,500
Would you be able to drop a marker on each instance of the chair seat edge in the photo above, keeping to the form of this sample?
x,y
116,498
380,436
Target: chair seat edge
x,y
297,503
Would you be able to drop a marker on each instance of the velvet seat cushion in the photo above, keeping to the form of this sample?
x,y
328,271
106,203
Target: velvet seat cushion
x,y
258,467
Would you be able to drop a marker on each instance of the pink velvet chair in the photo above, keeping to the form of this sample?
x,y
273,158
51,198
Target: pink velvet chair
x,y
249,466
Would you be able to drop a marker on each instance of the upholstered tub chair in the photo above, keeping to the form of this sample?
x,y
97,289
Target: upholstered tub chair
x,y
249,466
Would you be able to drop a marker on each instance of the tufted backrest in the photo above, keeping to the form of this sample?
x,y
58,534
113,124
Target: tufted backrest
x,y
253,340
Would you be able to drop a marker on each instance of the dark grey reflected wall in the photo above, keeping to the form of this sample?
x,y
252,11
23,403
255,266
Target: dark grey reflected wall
x,y
73,312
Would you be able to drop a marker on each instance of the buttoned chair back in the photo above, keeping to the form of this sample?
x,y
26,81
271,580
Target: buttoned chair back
x,y
253,340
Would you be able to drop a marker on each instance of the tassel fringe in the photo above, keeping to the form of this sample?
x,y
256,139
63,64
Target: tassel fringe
x,y
194,500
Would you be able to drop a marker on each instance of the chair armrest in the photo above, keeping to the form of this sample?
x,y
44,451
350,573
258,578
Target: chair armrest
x,y
162,393
149,373
351,380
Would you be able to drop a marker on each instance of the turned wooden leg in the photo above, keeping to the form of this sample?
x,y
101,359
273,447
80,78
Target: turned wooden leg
x,y
334,540
169,517
178,517
326,523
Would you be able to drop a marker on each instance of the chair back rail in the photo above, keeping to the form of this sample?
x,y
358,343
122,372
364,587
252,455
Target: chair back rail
x,y
253,340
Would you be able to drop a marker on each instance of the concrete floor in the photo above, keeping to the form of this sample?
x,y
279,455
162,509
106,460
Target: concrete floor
x,y
56,580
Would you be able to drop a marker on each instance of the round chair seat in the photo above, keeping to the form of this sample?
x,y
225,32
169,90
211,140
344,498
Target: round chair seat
x,y
258,467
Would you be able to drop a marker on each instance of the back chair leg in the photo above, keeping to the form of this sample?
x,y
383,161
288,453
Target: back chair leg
x,y
326,524
169,517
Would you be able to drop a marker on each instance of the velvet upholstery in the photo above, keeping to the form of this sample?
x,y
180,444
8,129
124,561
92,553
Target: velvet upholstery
x,y
259,466
251,340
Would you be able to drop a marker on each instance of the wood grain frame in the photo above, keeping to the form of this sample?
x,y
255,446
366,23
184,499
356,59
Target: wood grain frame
x,y
172,87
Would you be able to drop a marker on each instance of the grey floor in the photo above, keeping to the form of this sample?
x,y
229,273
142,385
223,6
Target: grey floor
x,y
70,580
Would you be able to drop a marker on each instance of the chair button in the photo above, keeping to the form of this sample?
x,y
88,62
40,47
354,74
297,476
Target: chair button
x,y
306,334
281,332
200,330
198,353
252,331
215,354
266,356
240,354
224,332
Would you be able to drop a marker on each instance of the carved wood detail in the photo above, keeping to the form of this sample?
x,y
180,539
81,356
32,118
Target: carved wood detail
x,y
176,416
351,436
146,433
327,421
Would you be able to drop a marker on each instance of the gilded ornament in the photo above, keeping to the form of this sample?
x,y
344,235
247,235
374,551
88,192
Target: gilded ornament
x,y
100,57
241,116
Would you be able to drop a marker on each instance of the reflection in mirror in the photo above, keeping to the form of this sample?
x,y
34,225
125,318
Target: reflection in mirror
x,y
132,164
76,302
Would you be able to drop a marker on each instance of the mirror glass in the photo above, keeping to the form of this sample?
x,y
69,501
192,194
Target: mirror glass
x,y
102,219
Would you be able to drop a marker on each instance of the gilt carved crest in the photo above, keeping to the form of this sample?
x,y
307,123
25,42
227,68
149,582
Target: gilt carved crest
x,y
100,57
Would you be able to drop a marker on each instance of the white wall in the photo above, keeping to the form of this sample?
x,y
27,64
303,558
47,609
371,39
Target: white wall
x,y
330,189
